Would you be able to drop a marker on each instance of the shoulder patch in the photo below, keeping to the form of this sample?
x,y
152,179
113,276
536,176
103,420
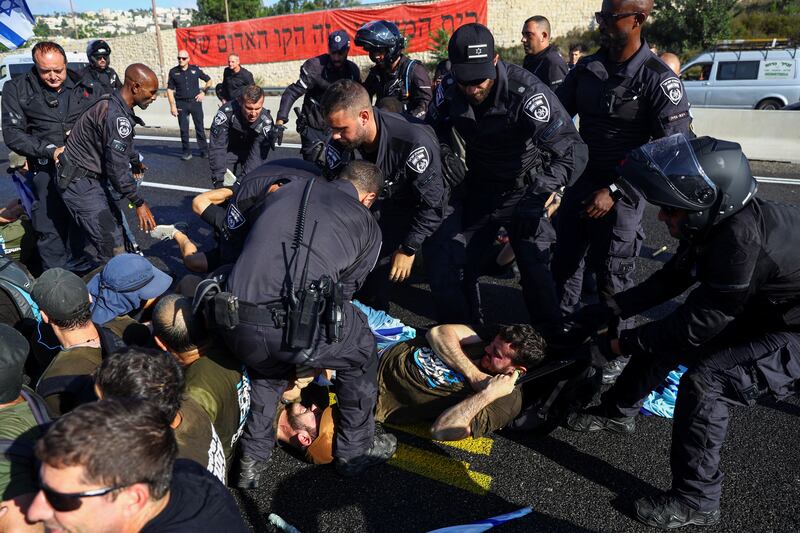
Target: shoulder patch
x,y
124,127
537,107
333,158
220,117
673,89
418,160
119,146
234,218
439,97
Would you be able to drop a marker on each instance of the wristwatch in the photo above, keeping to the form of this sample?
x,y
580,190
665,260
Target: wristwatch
x,y
616,192
408,250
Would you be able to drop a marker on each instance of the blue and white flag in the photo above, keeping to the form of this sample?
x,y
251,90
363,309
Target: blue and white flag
x,y
16,23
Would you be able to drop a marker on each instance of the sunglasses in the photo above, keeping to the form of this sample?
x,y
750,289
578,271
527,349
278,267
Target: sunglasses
x,y
183,58
604,16
65,502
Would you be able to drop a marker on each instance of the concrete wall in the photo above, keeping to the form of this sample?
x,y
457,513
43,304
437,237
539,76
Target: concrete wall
x,y
505,18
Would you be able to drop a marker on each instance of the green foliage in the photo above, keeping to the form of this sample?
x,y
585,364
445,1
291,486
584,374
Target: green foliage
x,y
440,40
511,54
682,25
754,25
590,39
282,7
41,30
213,11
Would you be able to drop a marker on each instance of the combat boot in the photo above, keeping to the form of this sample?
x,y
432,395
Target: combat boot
x,y
666,511
382,449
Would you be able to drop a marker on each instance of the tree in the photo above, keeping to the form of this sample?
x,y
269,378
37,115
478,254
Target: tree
x,y
440,41
683,25
41,29
213,11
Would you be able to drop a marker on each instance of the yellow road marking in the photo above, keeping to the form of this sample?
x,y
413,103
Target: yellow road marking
x,y
441,468
479,446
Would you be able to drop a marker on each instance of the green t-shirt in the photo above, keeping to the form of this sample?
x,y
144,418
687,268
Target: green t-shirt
x,y
18,473
221,386
197,439
415,385
70,374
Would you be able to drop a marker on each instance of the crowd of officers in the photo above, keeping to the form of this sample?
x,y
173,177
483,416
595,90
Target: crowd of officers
x,y
438,169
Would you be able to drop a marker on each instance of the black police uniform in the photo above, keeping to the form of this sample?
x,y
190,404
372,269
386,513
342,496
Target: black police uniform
x,y
411,207
548,66
521,146
316,75
620,108
36,121
186,84
236,144
233,83
99,152
409,83
345,245
738,332
104,81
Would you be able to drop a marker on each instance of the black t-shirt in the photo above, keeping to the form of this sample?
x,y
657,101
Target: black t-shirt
x,y
198,502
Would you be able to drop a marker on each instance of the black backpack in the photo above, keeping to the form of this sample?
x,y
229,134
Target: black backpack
x,y
20,449
18,283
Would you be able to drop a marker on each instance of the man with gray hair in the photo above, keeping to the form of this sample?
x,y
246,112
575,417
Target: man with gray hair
x,y
234,79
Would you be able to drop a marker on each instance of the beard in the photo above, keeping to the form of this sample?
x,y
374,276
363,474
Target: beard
x,y
361,135
614,41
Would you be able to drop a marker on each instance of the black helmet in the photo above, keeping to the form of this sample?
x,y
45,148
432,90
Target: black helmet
x,y
709,178
97,49
381,35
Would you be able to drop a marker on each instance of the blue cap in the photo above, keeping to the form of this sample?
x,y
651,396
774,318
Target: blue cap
x,y
338,41
126,282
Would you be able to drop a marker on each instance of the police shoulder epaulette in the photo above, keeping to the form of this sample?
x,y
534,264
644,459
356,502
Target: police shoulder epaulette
x,y
656,65
516,87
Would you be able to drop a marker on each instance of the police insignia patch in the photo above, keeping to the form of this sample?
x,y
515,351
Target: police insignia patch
x,y
119,146
220,118
332,156
418,160
538,108
672,89
439,95
234,217
123,127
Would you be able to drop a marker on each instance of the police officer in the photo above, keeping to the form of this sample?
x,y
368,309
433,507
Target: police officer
x,y
624,96
542,59
234,79
736,331
241,135
315,229
316,75
39,109
98,153
414,200
185,99
521,149
99,71
394,74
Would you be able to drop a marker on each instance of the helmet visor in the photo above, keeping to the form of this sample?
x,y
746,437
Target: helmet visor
x,y
674,159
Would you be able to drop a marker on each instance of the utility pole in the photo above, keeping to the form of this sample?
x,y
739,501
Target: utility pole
x,y
74,21
227,17
160,45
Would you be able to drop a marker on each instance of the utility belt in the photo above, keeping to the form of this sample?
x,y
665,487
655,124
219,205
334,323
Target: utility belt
x,y
67,172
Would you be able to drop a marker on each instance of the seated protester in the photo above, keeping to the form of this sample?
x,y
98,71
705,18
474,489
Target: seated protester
x,y
155,376
454,378
65,305
215,380
122,452
22,414
128,285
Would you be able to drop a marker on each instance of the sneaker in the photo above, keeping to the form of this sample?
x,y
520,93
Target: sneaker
x,y
186,157
613,369
593,419
382,449
164,232
250,472
666,511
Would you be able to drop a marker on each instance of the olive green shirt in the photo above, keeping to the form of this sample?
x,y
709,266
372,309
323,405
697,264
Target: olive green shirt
x,y
18,474
68,380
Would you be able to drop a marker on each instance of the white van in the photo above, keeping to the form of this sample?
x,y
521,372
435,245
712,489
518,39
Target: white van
x,y
18,64
745,74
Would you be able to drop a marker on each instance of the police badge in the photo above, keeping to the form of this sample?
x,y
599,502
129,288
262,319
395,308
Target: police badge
x,y
332,156
418,160
672,89
234,217
123,127
538,108
220,118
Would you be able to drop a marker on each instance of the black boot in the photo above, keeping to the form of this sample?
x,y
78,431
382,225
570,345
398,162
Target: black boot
x,y
382,449
666,511
250,471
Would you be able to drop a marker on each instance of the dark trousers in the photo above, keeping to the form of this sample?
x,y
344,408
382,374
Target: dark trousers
x,y
60,240
609,245
270,365
732,372
96,212
195,109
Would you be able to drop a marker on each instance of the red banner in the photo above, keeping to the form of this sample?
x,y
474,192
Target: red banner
x,y
304,35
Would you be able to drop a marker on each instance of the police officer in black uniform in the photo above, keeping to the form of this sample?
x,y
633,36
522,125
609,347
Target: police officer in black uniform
x,y
39,110
414,200
241,135
521,150
315,230
234,79
542,59
99,71
99,153
738,330
624,96
394,74
186,98
316,75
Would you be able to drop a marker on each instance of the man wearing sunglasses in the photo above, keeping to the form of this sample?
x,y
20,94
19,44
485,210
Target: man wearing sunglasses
x,y
99,71
186,99
110,467
625,96
521,149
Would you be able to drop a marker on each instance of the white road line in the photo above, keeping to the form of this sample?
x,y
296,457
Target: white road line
x,y
177,139
779,181
170,186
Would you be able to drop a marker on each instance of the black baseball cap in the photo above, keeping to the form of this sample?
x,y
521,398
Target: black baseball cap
x,y
13,352
471,52
338,41
60,293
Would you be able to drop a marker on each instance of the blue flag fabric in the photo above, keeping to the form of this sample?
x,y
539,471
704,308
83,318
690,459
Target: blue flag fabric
x,y
16,23
483,525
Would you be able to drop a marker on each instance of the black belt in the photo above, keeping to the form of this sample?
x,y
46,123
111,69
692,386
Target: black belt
x,y
272,314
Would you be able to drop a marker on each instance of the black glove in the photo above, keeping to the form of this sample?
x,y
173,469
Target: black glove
x,y
591,318
276,135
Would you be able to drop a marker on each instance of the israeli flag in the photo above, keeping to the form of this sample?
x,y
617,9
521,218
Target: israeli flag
x,y
16,23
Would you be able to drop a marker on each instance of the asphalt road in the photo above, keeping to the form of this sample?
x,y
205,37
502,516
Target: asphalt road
x,y
573,482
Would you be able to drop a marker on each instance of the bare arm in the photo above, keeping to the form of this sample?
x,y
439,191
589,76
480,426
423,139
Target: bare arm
x,y
446,340
212,197
456,422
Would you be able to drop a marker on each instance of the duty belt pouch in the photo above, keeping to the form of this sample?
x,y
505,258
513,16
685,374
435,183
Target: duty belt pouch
x,y
223,309
66,173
